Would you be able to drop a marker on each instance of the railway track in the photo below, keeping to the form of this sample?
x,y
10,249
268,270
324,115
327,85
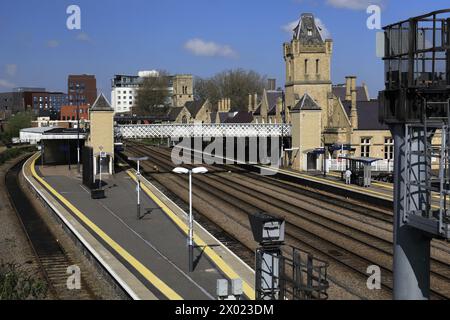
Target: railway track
x,y
53,261
312,223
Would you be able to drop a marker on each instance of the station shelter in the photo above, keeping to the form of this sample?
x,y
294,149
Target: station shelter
x,y
361,168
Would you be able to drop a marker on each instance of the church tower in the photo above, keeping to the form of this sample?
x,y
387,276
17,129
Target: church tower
x,y
308,65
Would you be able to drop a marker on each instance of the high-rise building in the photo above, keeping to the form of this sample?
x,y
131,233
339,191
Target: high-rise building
x,y
82,89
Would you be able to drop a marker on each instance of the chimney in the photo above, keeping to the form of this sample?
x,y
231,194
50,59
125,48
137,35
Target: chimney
x,y
228,104
272,84
250,104
219,107
255,101
348,88
354,110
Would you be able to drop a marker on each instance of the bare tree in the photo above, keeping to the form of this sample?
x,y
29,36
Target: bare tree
x,y
234,84
153,96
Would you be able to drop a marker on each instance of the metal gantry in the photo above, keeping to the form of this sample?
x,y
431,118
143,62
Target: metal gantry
x,y
415,105
135,131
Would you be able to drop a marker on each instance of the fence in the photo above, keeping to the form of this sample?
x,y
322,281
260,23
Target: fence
x,y
381,165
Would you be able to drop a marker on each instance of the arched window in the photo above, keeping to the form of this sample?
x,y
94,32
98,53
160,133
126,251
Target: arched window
x,y
317,66
306,66
184,119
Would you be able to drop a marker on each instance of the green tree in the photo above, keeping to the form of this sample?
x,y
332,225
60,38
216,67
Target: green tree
x,y
153,95
16,123
235,84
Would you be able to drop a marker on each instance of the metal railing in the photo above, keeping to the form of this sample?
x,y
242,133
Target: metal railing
x,y
299,276
202,130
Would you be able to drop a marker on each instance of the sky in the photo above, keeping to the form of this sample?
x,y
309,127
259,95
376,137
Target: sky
x,y
200,37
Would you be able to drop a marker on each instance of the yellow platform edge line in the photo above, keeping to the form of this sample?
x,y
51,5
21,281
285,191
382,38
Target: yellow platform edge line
x,y
379,195
144,271
218,261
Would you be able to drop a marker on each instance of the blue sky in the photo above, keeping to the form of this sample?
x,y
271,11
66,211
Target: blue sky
x,y
201,37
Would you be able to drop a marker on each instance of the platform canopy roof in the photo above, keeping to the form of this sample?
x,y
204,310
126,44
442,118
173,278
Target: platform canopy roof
x,y
366,160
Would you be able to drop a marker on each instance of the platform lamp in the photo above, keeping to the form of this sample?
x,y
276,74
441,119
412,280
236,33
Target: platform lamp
x,y
199,170
138,182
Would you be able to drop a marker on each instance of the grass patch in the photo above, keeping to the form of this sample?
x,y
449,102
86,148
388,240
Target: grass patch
x,y
18,284
9,154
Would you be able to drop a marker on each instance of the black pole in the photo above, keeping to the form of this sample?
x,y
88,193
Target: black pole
x,y
283,122
78,130
68,152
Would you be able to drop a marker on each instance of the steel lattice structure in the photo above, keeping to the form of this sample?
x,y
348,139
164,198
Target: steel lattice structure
x,y
237,130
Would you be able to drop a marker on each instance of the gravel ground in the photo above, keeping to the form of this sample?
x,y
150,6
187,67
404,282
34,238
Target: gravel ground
x,y
15,248
14,245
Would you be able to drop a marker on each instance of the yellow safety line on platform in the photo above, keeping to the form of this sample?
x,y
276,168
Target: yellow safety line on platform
x,y
220,263
144,271
378,194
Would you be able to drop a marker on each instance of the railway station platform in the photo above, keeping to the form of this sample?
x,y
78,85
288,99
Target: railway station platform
x,y
379,193
147,257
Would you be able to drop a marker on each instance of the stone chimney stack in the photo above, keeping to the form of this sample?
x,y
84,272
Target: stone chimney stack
x,y
354,107
250,103
271,84
255,101
348,88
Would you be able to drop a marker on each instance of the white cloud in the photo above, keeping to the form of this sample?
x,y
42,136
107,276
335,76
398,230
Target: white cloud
x,y
11,69
200,47
289,28
53,43
326,34
354,4
6,84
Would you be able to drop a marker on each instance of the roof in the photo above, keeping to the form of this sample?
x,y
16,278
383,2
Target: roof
x,y
194,107
213,116
37,129
367,115
223,116
241,117
306,103
174,112
307,31
272,100
361,159
101,104
340,92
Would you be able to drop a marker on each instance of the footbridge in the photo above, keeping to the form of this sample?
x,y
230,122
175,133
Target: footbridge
x,y
239,130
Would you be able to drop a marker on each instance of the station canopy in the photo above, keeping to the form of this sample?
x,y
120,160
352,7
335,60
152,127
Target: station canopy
x,y
364,160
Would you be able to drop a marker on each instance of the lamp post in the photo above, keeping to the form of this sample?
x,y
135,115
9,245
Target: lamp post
x,y
199,170
138,181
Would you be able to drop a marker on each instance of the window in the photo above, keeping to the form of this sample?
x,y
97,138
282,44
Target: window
x,y
317,66
365,147
310,32
306,66
388,148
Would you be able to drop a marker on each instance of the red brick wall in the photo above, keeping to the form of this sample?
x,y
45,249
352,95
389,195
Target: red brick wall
x,y
70,113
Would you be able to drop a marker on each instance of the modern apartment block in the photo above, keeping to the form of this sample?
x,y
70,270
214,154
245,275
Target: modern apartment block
x,y
82,89
45,104
125,89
